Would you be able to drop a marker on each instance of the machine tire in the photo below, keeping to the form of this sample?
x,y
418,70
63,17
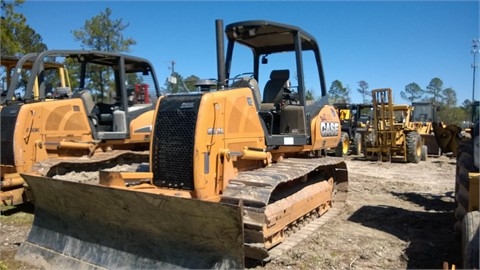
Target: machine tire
x,y
476,151
414,147
464,166
357,147
424,154
470,241
343,146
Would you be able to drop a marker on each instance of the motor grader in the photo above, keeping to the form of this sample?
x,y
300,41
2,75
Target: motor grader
x,y
392,137
45,120
233,173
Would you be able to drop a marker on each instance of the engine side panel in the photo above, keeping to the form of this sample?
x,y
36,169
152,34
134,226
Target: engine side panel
x,y
326,129
31,132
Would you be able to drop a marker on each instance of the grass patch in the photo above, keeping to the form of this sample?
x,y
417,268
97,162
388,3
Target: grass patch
x,y
16,215
3,266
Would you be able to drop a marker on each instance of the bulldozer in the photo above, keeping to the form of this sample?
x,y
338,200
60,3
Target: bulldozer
x,y
7,66
392,136
354,119
45,120
17,69
233,174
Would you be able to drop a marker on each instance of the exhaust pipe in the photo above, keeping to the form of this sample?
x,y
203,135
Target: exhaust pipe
x,y
220,54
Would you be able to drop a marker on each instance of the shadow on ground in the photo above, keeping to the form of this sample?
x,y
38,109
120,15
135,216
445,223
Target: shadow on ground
x,y
429,201
429,234
10,210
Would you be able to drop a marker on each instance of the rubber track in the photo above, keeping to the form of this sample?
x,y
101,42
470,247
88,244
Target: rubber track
x,y
255,188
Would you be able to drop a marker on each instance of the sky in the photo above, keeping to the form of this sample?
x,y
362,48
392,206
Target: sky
x,y
388,44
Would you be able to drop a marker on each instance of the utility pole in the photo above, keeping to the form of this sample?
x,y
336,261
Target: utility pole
x,y
172,79
475,46
173,66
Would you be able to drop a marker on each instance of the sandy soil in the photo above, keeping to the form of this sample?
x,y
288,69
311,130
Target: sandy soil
x,y
397,216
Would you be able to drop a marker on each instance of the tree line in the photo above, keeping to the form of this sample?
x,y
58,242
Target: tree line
x,y
434,92
103,33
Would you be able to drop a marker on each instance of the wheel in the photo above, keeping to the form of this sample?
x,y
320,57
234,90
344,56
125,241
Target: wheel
x,y
343,146
476,147
424,153
357,144
464,166
414,147
470,241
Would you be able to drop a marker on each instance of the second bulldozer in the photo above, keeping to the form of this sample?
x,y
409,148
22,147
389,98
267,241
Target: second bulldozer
x,y
103,113
233,173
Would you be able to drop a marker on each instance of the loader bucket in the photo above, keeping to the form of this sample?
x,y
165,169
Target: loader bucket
x,y
84,226
446,137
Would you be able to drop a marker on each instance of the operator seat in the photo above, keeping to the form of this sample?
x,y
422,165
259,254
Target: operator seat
x,y
252,84
87,99
90,107
273,91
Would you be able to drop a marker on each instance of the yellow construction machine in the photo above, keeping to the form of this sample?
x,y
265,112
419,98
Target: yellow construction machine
x,y
7,66
449,137
354,119
46,120
16,72
232,173
422,118
467,215
467,177
17,69
392,136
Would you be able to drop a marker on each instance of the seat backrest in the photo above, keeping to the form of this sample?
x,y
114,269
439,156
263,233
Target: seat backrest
x,y
274,87
252,84
87,98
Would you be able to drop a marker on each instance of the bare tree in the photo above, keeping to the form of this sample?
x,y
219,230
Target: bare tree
x,y
363,90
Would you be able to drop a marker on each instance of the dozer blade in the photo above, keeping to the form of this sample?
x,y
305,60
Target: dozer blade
x,y
84,226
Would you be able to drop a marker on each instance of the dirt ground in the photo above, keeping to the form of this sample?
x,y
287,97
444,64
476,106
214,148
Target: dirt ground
x,y
397,216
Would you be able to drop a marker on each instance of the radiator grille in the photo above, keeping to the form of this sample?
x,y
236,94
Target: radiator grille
x,y
173,142
8,120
